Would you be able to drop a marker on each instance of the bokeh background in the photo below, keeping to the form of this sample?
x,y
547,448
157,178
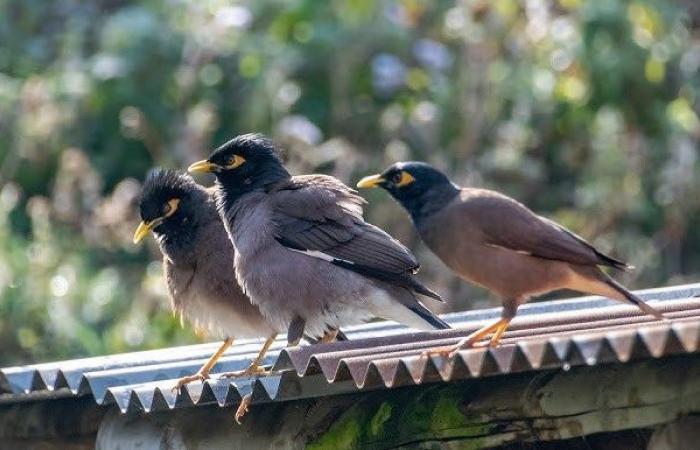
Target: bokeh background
x,y
585,110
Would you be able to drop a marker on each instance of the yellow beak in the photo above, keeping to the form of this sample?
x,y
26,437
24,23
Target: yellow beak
x,y
371,181
203,166
143,229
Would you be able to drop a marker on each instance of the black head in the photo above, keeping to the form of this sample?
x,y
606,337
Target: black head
x,y
168,202
419,187
243,164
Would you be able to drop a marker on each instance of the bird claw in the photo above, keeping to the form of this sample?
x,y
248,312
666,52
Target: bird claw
x,y
243,408
199,376
249,372
450,351
445,352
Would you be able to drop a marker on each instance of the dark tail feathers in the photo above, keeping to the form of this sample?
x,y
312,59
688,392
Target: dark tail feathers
x,y
641,304
420,288
425,314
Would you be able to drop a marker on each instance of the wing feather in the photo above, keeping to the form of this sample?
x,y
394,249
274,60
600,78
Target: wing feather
x,y
321,216
507,223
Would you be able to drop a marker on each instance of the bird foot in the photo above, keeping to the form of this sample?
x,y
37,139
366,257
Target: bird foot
x,y
450,351
252,370
243,408
481,344
486,344
446,352
199,376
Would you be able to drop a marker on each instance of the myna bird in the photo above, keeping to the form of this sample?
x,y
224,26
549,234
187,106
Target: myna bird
x,y
303,250
198,265
494,241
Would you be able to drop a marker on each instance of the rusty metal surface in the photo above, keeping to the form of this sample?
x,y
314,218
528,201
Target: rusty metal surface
x,y
547,335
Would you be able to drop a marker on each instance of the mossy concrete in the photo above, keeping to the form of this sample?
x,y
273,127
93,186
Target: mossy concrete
x,y
394,418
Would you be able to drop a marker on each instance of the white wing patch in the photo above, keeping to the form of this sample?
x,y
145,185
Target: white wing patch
x,y
320,255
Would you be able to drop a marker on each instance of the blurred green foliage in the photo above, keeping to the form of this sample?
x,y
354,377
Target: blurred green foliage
x,y
587,111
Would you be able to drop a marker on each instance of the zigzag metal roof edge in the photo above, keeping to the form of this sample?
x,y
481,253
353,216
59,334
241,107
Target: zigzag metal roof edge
x,y
649,341
545,335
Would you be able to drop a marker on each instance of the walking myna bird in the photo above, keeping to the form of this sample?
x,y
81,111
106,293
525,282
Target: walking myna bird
x,y
303,250
198,265
494,241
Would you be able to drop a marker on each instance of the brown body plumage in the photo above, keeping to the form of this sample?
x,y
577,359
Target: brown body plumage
x,y
494,241
503,246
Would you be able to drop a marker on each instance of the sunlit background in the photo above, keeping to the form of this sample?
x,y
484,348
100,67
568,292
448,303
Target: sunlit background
x,y
587,111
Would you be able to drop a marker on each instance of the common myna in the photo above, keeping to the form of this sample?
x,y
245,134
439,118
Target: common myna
x,y
303,250
494,241
198,265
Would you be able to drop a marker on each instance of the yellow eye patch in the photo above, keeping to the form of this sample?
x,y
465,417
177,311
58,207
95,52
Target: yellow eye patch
x,y
170,207
404,179
235,161
146,227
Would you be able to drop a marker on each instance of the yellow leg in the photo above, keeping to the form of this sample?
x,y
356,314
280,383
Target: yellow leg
x,y
451,350
203,373
254,368
499,333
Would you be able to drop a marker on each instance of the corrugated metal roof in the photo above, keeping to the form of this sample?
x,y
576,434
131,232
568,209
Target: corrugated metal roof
x,y
546,335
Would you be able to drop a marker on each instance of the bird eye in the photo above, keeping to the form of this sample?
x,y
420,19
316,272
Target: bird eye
x,y
403,178
170,207
234,161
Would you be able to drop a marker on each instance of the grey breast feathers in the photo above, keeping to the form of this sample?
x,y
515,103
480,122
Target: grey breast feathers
x,y
179,282
212,298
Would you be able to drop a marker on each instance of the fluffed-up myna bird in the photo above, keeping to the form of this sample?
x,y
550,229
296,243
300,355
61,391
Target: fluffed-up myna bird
x,y
198,265
303,251
494,241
